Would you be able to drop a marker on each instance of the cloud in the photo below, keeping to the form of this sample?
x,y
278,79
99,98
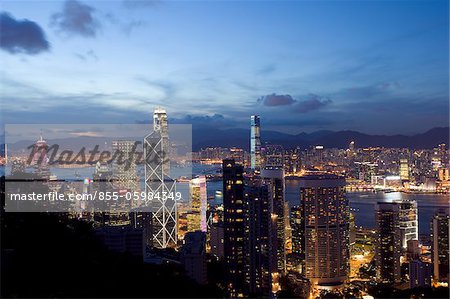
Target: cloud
x,y
76,19
136,4
88,55
21,36
305,104
312,102
276,100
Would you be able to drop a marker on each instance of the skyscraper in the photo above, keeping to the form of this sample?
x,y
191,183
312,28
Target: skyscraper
x,y
298,239
274,178
440,248
389,246
234,228
159,183
326,230
255,143
260,259
196,218
408,221
124,165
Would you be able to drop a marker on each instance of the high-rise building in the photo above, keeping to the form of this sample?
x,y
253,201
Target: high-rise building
x,y
408,221
274,178
420,274
193,256
196,218
124,165
389,247
216,240
255,143
404,170
326,230
234,228
440,248
298,239
260,260
158,182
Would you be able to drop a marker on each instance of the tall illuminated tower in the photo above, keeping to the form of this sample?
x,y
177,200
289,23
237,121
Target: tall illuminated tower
x,y
389,242
255,143
326,231
234,228
274,178
197,216
159,183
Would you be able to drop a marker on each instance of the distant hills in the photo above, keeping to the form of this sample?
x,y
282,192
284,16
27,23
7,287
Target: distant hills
x,y
240,138
212,137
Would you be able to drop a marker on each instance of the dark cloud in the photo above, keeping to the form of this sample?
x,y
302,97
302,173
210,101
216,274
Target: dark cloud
x,y
311,102
276,100
304,104
76,18
21,36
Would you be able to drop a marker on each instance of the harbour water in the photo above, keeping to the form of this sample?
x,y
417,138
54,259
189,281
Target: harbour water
x,y
363,203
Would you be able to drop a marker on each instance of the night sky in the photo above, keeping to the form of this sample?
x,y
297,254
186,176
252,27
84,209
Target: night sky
x,y
372,66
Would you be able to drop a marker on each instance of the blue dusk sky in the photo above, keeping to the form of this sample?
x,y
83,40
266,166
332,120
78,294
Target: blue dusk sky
x,y
379,67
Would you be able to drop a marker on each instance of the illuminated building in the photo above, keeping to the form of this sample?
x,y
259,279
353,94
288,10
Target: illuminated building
x,y
408,221
142,220
124,165
326,231
158,182
274,156
255,143
389,247
193,256
39,159
404,170
260,260
196,218
274,178
234,228
298,239
440,247
351,146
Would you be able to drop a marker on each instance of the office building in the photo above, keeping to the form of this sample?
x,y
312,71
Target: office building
x,y
158,182
196,217
124,165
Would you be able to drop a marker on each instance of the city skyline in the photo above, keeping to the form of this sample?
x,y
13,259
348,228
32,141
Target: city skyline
x,y
302,66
